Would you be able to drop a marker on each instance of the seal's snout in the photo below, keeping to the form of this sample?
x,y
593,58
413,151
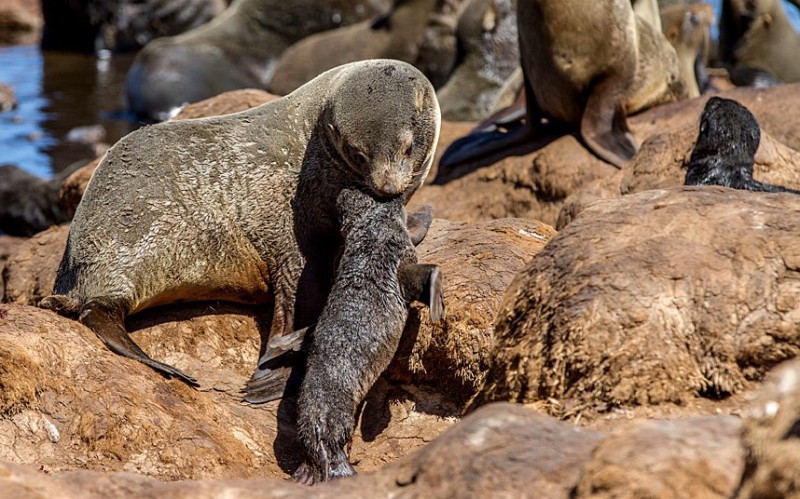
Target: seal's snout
x,y
389,186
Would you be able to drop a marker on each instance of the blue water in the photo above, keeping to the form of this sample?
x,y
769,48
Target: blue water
x,y
57,92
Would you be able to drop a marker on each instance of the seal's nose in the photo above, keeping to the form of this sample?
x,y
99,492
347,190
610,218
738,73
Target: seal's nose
x,y
389,186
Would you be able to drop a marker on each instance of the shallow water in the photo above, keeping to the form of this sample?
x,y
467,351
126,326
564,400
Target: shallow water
x,y
57,92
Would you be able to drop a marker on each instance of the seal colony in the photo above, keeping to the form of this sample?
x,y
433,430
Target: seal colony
x,y
726,148
588,64
242,207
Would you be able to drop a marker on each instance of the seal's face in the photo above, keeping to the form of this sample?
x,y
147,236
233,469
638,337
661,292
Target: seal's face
x,y
384,123
729,129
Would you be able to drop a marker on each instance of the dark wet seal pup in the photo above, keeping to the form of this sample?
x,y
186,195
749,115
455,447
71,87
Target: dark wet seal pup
x,y
359,329
242,207
726,147
588,64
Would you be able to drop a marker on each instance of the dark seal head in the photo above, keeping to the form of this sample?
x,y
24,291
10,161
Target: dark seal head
x,y
726,147
389,159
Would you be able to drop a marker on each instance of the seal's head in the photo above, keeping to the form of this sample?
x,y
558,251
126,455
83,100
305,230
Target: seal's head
x,y
727,130
383,118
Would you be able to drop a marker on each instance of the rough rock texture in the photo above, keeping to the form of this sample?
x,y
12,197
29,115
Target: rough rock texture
x,y
536,184
20,21
478,263
8,100
690,457
772,436
69,403
653,297
30,270
8,245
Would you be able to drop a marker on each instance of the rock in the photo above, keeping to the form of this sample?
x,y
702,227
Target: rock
x,y
8,100
30,270
71,190
690,457
29,204
8,245
225,103
478,262
20,23
772,436
69,403
651,298
536,182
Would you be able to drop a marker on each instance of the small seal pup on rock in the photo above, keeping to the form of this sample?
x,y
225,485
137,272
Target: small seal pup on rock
x,y
584,63
359,329
726,147
242,207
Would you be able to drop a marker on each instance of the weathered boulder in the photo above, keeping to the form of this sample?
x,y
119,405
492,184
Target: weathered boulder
x,y
478,263
70,403
30,270
772,436
689,457
20,22
8,245
536,182
654,297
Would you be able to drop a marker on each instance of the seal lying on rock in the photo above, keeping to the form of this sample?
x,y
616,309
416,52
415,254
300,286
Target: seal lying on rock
x,y
242,207
726,147
359,329
588,64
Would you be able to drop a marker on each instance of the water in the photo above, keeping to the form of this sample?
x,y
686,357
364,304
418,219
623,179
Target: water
x,y
59,91
55,93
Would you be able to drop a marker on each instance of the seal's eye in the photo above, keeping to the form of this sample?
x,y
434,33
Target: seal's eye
x,y
410,149
359,158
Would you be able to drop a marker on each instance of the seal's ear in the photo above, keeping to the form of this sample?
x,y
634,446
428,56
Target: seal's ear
x,y
423,282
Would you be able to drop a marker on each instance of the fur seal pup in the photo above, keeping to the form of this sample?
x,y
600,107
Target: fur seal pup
x,y
726,147
359,329
758,34
617,65
396,35
237,49
488,53
242,207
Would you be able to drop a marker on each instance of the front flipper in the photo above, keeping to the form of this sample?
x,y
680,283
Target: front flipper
x,y
423,282
418,223
604,127
108,324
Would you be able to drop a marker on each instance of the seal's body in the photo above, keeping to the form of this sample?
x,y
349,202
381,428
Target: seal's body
x,y
242,207
688,29
237,49
726,147
357,333
588,64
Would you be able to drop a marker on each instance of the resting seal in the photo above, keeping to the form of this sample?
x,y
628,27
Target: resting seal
x,y
242,207
588,64
237,49
726,147
359,329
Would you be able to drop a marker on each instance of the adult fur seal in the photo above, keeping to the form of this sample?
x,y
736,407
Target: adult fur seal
x,y
237,49
488,53
242,207
688,29
726,147
396,35
359,329
587,64
758,34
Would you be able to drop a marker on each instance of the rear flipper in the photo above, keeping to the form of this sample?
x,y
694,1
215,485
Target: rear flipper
x,y
418,223
423,282
108,323
309,473
267,384
604,126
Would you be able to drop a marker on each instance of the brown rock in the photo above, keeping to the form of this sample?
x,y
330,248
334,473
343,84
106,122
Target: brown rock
x,y
69,403
772,437
20,22
478,262
654,297
8,100
691,457
8,245
31,269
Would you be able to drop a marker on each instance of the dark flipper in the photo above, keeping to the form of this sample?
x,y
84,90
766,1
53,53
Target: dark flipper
x,y
604,127
312,473
108,324
418,223
423,282
278,346
267,385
